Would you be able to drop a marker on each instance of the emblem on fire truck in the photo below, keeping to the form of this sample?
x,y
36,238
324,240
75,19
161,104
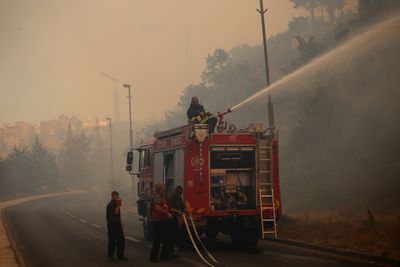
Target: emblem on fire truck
x,y
197,162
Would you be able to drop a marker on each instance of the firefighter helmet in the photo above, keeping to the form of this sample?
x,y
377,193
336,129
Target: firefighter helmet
x,y
195,100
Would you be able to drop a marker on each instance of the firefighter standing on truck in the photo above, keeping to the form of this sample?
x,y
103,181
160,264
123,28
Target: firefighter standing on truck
x,y
197,115
160,216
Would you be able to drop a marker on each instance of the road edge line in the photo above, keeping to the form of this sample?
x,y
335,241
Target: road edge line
x,y
19,259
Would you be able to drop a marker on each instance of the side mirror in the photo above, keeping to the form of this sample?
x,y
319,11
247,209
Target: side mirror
x,y
129,158
129,161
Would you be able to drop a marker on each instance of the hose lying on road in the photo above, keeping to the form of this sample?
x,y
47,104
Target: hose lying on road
x,y
215,262
201,243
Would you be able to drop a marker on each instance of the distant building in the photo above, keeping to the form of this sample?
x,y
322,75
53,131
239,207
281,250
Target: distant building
x,y
91,125
73,123
18,134
54,132
51,134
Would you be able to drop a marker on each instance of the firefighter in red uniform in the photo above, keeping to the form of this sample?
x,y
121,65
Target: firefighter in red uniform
x,y
197,114
160,216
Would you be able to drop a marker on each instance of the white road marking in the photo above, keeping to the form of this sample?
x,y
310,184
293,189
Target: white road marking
x,y
193,262
98,226
67,213
132,239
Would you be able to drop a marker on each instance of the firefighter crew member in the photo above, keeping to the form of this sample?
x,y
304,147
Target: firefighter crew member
x,y
116,238
176,205
197,114
160,216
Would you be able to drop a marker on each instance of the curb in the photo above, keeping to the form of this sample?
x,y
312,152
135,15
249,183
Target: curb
x,y
20,260
341,251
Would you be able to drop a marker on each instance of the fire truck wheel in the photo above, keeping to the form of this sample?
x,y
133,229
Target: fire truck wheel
x,y
241,240
211,234
147,228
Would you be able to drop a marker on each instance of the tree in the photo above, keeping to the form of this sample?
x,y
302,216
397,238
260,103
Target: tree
x,y
214,65
43,168
16,173
99,161
74,155
331,6
3,184
299,25
309,5
307,50
28,171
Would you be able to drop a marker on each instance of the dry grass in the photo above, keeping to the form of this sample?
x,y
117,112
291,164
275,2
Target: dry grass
x,y
358,231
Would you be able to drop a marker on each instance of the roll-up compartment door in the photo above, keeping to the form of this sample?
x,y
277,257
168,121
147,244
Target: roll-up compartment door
x,y
179,167
158,167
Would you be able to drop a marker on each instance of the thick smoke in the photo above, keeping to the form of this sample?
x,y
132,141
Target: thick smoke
x,y
339,124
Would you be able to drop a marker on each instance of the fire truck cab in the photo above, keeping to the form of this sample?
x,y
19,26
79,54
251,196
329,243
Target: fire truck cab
x,y
224,175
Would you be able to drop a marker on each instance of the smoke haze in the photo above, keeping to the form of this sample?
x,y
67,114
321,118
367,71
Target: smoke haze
x,y
52,52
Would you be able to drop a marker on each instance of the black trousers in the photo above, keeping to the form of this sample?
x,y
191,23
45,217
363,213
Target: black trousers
x,y
212,122
172,234
160,237
116,239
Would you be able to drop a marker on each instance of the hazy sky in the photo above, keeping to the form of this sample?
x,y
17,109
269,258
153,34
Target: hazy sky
x,y
53,51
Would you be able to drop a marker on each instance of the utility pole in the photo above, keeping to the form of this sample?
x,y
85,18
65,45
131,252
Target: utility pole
x,y
128,86
262,11
130,116
111,150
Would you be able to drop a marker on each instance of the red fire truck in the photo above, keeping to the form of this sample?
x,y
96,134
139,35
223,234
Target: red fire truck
x,y
230,178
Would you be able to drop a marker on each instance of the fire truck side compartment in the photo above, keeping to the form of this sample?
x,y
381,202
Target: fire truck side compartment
x,y
232,178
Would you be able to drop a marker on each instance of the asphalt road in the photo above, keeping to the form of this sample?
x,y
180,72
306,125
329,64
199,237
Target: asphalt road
x,y
70,231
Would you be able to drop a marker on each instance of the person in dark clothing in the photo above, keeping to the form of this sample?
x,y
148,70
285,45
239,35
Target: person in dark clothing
x,y
197,114
160,216
176,205
116,238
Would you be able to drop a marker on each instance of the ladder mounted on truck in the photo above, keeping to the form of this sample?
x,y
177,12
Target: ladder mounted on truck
x,y
265,188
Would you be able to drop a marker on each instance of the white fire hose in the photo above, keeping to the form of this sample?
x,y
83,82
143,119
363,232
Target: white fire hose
x,y
215,262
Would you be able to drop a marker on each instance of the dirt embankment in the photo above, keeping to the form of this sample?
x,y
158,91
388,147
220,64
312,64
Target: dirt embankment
x,y
366,230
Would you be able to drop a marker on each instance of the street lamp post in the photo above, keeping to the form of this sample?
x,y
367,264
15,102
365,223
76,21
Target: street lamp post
x,y
111,149
130,131
130,114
